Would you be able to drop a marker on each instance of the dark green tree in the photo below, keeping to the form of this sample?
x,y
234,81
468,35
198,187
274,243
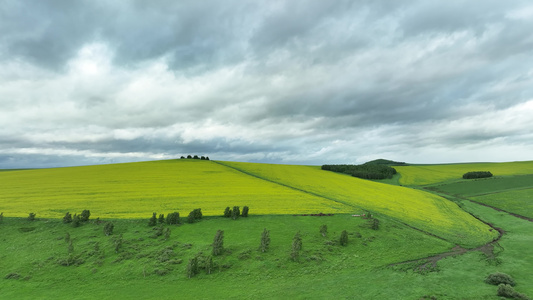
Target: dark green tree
x,y
166,232
235,213
192,267
245,211
296,247
67,218
218,243
265,240
189,156
227,212
343,240
182,157
153,220
76,221
1,217
108,228
375,224
209,265
161,218
196,157
31,217
191,218
202,157
85,214
173,218
207,158
324,230
198,214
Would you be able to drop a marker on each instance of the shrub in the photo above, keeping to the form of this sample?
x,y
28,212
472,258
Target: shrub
x,y
31,217
76,221
227,212
173,218
218,243
67,218
324,230
192,267
191,218
153,220
198,214
85,214
375,224
296,247
245,211
499,278
344,238
265,240
161,218
235,213
1,218
108,228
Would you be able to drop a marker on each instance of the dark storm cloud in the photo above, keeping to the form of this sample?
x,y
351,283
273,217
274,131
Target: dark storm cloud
x,y
280,81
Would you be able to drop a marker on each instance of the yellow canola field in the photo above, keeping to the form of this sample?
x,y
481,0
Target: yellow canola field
x,y
429,174
135,190
417,208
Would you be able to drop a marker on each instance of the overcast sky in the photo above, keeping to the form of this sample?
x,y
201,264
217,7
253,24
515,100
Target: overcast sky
x,y
298,82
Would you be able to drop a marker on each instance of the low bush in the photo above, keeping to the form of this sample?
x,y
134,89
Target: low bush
x,y
477,174
499,278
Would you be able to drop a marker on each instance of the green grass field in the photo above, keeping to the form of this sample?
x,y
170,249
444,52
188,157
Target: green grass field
x,y
430,174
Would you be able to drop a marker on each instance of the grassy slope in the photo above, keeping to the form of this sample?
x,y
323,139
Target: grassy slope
x,y
429,174
34,255
135,190
417,208
510,193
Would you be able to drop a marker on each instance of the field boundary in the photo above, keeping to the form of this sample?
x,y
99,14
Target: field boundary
x,y
285,185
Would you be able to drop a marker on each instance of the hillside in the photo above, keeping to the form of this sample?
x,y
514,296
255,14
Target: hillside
x,y
135,190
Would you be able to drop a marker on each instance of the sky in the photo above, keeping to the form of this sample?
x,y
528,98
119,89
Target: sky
x,y
290,82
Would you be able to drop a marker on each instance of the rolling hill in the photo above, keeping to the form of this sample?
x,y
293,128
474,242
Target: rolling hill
x,y
135,190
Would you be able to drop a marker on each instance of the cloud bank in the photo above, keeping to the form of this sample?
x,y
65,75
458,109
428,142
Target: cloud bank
x,y
307,82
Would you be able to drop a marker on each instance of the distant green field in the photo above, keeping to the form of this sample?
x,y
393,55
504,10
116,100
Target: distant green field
x,y
430,174
483,186
518,201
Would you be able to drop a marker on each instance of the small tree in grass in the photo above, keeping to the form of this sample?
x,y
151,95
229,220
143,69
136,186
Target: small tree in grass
x,y
344,238
161,218
245,212
67,218
498,278
374,224
209,265
1,217
296,247
173,218
108,228
324,230
166,232
265,240
235,213
191,218
31,217
85,214
227,212
153,220
76,221
192,267
218,243
198,214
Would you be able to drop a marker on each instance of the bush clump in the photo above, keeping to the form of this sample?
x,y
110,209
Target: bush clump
x,y
506,290
499,278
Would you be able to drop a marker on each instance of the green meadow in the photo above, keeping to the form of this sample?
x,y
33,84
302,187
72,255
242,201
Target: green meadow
x,y
424,247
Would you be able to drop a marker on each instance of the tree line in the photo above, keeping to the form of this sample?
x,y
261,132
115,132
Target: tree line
x,y
477,174
195,157
364,171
